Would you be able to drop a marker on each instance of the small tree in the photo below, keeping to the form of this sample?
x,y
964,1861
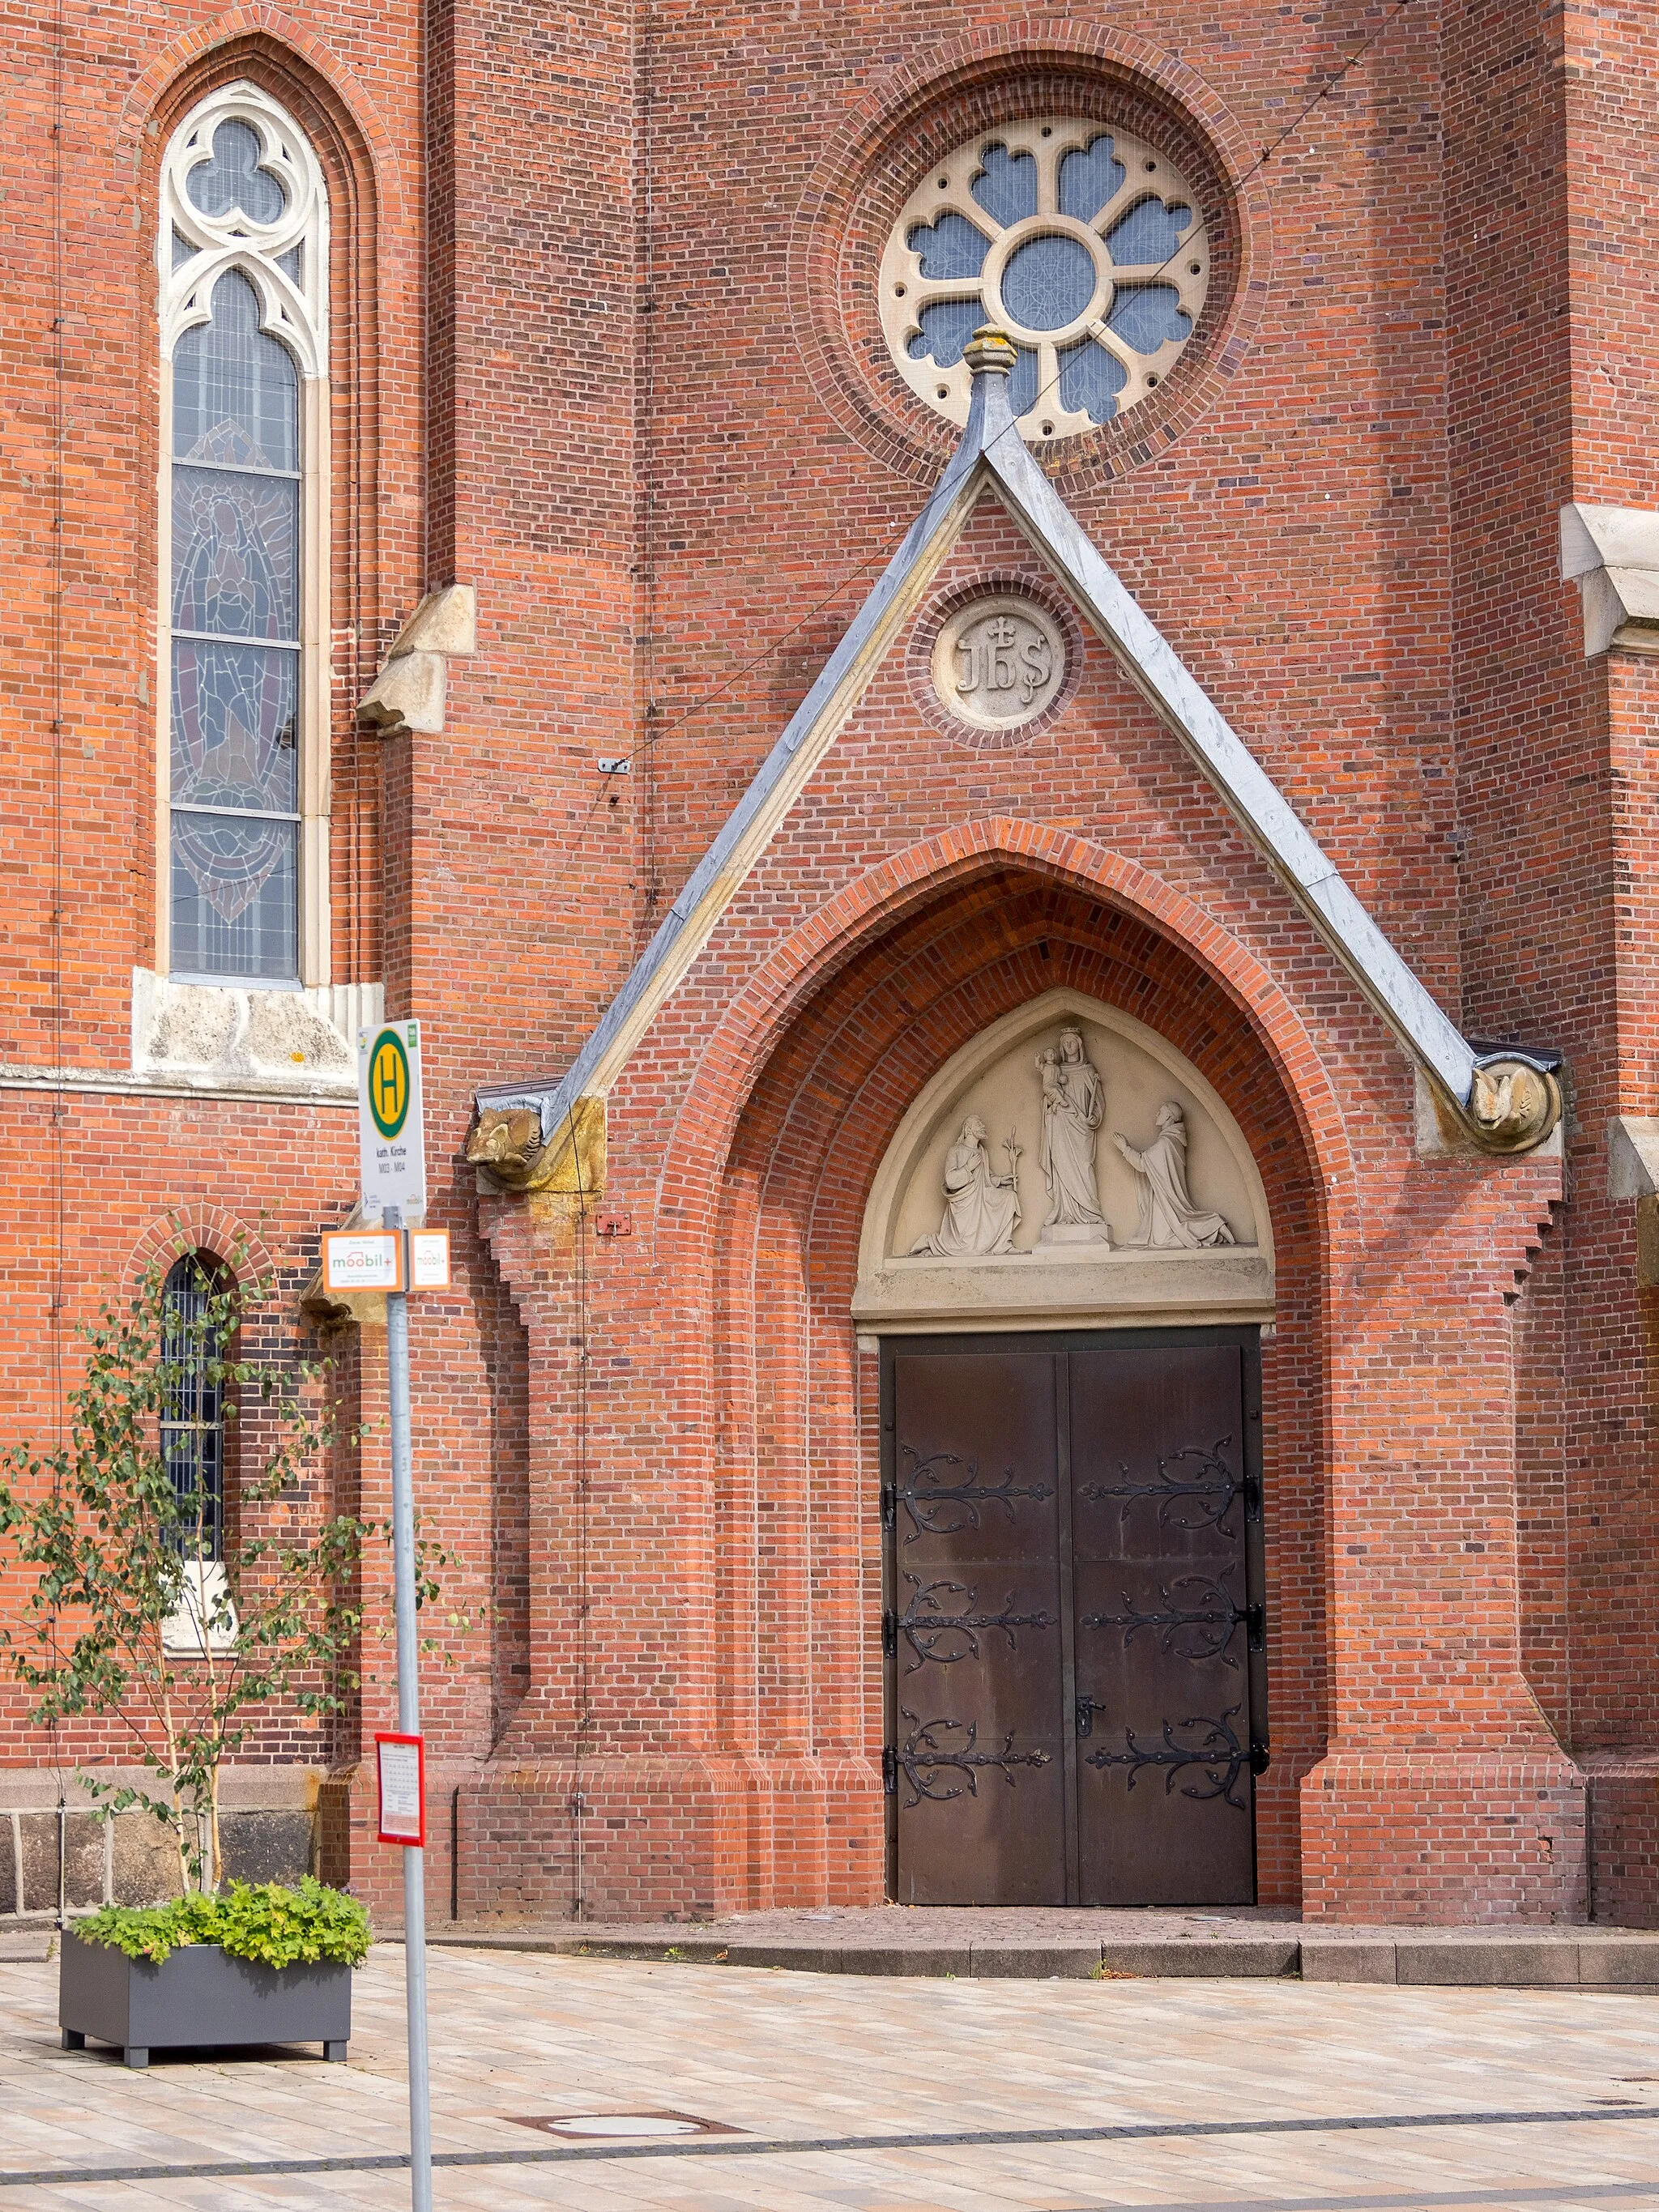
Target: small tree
x,y
130,1614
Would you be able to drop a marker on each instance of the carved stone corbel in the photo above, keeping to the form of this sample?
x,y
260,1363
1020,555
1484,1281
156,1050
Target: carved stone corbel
x,y
507,1144
1612,553
409,692
1633,1177
1513,1106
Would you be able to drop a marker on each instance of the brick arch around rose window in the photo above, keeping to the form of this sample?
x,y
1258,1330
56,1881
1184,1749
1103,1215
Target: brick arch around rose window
x,y
796,1456
916,111
370,212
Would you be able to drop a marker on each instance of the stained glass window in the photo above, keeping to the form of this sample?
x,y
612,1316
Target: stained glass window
x,y
1082,243
241,259
193,1350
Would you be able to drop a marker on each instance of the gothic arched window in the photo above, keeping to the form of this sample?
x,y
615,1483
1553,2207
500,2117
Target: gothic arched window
x,y
194,1347
243,773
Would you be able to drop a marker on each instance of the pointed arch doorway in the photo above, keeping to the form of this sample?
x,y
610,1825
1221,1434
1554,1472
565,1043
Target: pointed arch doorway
x,y
1073,1622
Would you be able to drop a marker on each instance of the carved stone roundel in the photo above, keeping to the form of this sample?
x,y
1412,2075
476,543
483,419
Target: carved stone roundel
x,y
998,662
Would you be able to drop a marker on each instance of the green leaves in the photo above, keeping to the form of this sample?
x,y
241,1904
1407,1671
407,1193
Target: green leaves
x,y
124,1617
263,1921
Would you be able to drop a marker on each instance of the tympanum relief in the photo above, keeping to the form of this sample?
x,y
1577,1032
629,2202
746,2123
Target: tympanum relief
x,y
1168,1181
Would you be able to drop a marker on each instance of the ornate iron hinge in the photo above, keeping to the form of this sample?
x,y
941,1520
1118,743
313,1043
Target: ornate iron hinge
x,y
1199,1628
1188,1496
1217,1753
889,1506
888,1634
935,1630
938,1747
889,1771
938,1507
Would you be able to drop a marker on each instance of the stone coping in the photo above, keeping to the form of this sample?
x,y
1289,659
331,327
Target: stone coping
x,y
247,1787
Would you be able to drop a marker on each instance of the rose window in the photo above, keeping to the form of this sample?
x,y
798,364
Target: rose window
x,y
1085,244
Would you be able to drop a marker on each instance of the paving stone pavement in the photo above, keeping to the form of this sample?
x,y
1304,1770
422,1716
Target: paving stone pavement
x,y
1255,2095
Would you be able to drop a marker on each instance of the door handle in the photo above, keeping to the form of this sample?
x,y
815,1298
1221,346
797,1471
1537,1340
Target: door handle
x,y
1085,1716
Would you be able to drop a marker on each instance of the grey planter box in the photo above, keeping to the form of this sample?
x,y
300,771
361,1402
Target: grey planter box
x,y
198,1997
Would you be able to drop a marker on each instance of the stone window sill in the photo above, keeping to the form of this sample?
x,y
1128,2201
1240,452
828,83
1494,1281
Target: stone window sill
x,y
234,1039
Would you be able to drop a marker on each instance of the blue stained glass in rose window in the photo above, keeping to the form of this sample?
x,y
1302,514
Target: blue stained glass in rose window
x,y
1006,184
235,615
1089,175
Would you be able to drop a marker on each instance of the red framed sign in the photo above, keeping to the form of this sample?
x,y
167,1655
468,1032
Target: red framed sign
x,y
401,1760
363,1259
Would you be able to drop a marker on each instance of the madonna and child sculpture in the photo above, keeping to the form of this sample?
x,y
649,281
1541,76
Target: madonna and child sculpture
x,y
1074,1106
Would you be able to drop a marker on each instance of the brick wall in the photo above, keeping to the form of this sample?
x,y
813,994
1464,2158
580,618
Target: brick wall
x,y
603,347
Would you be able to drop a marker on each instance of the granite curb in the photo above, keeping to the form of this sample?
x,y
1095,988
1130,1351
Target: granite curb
x,y
1574,1959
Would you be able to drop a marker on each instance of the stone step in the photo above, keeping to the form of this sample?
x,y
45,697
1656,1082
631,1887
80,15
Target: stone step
x,y
1583,1958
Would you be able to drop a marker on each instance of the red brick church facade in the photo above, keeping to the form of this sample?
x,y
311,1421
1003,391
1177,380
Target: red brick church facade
x,y
724,903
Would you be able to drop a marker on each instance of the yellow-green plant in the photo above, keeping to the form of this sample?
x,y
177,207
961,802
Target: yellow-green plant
x,y
261,1921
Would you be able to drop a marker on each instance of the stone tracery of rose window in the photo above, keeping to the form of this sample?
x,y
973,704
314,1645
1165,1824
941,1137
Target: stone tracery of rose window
x,y
1081,241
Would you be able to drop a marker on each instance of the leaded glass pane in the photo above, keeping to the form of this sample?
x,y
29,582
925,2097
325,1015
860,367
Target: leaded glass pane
x,y
1148,234
235,897
234,726
1089,175
1006,185
1023,381
950,247
231,177
1091,379
235,553
1145,316
946,327
235,389
1048,283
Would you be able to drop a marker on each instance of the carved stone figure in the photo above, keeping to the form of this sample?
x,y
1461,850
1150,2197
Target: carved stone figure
x,y
981,1210
1074,1106
998,662
507,1141
1169,1219
1512,1106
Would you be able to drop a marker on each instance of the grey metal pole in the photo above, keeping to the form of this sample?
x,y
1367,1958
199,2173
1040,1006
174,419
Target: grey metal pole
x,y
409,1723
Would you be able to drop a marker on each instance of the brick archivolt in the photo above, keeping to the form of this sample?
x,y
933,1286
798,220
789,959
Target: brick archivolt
x,y
200,1228
872,919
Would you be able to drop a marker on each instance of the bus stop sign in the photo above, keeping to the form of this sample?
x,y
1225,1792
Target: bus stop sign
x,y
390,1121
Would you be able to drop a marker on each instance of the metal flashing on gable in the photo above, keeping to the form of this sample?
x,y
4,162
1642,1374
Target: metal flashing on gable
x,y
1507,1102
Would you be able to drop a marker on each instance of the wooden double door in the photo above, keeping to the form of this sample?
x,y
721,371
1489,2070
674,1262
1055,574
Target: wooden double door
x,y
1076,1685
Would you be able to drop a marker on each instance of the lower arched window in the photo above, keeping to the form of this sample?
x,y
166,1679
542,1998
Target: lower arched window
x,y
195,1335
